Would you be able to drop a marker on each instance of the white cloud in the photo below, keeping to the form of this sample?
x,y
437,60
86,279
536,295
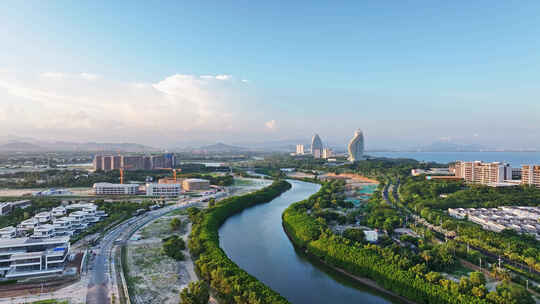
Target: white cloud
x,y
245,80
218,77
89,76
57,104
270,124
223,77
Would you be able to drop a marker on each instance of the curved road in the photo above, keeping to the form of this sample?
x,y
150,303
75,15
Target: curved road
x,y
101,284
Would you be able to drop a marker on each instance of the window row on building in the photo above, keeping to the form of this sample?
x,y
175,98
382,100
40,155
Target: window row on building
x,y
134,162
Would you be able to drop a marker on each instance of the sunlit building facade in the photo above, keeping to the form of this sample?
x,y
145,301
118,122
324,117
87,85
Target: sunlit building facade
x,y
316,146
356,146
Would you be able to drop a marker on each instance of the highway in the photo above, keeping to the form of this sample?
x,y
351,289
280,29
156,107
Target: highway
x,y
101,285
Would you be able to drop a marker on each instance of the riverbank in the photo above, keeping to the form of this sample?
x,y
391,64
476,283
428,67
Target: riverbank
x,y
213,265
362,280
388,270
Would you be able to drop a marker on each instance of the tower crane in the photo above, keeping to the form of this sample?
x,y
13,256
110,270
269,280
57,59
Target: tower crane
x,y
121,169
173,170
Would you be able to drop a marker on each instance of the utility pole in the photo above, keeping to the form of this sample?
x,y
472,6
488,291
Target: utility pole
x,y
467,248
499,261
480,263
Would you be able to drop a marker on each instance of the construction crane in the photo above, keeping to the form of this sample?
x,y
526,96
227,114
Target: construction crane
x,y
173,170
121,169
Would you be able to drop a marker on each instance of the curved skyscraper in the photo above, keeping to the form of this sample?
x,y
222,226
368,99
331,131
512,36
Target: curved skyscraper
x,y
316,146
356,146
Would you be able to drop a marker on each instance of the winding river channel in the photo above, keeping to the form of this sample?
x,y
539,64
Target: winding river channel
x,y
255,240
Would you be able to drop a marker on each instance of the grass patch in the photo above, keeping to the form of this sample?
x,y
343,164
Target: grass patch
x,y
460,270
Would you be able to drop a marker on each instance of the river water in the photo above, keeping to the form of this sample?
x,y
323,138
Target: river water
x,y
255,240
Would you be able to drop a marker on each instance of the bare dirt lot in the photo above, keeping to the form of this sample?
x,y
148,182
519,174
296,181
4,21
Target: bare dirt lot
x,y
158,278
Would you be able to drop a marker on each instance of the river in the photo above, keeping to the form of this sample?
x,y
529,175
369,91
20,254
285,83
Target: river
x,y
255,240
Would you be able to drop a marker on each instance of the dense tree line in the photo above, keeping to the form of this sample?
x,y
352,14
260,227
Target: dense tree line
x,y
173,247
231,283
394,268
425,198
195,293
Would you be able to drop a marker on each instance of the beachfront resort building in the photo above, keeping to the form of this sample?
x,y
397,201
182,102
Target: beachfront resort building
x,y
494,173
530,175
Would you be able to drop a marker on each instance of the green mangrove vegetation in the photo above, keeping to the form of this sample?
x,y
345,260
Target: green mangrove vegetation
x,y
416,273
225,278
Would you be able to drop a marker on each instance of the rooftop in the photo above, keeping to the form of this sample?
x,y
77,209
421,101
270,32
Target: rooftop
x,y
19,242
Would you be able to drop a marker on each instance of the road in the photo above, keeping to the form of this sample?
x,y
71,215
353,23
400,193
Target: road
x,y
101,283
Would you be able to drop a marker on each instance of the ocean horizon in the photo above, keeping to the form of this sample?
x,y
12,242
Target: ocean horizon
x,y
515,159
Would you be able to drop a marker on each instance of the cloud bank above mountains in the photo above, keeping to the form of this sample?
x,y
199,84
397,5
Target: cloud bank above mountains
x,y
74,105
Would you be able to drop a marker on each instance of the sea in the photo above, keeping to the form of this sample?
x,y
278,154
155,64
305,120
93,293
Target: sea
x,y
515,159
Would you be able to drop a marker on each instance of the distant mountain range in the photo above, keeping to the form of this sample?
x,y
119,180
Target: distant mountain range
x,y
222,148
10,144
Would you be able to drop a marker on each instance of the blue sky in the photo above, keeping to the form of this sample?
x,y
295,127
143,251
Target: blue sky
x,y
407,73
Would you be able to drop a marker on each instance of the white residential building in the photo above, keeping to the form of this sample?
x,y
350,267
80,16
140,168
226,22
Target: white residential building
x,y
28,224
43,217
26,257
5,208
115,189
8,232
327,153
166,190
44,231
62,226
58,212
300,149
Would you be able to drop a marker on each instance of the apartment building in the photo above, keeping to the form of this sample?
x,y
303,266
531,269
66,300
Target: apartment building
x,y
115,189
482,173
58,212
327,153
7,207
300,149
98,162
44,231
134,162
165,190
63,226
530,175
26,257
8,232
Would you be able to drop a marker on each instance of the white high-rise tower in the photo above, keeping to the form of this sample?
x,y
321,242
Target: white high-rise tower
x,y
356,146
316,146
